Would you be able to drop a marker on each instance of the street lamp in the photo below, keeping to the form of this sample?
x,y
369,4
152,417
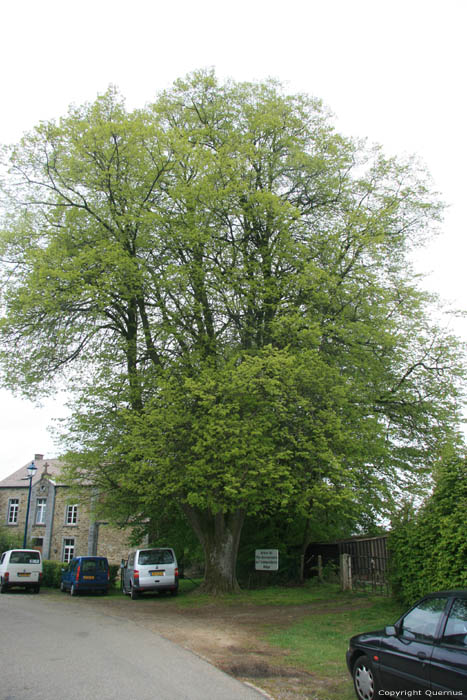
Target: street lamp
x,y
31,471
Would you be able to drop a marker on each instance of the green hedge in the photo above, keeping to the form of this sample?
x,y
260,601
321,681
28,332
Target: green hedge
x,y
52,573
428,548
114,575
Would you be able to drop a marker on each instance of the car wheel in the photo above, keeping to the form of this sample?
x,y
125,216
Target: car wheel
x,y
3,587
366,685
133,593
36,589
73,590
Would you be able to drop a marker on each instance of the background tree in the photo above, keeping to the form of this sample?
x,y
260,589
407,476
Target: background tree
x,y
222,280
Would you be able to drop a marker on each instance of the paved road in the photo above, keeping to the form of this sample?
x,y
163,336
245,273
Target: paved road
x,y
51,651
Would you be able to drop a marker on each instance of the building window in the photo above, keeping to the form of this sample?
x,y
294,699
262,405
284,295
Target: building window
x,y
13,507
68,549
40,511
71,517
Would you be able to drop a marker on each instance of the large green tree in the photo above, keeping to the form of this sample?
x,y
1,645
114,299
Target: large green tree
x,y
222,281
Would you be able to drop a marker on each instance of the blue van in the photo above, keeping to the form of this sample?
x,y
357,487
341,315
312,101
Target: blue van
x,y
86,574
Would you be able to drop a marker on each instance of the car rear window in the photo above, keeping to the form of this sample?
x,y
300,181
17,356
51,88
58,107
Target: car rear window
x,y
155,556
90,566
25,558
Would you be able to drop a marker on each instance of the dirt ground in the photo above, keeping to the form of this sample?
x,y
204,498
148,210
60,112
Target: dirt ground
x,y
231,639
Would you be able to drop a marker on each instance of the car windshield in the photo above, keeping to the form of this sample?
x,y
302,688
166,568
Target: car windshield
x,y
155,556
25,558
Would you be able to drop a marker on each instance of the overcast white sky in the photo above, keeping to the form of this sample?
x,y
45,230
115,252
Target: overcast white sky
x,y
391,70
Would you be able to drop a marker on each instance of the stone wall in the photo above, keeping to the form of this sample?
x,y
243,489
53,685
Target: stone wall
x,y
5,496
113,543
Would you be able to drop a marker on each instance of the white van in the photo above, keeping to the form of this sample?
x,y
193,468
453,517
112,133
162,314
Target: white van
x,y
21,568
154,569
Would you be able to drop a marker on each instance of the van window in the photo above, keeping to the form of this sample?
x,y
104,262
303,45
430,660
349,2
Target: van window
x,y
25,558
155,556
90,566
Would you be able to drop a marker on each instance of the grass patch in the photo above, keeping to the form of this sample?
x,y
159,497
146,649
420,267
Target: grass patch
x,y
309,593
318,643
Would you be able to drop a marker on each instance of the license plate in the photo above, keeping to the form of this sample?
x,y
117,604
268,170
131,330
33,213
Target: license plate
x,y
156,573
23,573
88,578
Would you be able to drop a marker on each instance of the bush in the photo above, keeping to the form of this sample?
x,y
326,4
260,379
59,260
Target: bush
x,y
10,539
52,573
114,575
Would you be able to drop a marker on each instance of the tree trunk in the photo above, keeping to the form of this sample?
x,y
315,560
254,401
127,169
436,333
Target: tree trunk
x,y
219,535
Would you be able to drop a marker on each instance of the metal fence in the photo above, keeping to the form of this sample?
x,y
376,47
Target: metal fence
x,y
369,573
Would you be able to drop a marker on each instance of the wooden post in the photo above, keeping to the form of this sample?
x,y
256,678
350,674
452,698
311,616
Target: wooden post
x,y
320,568
346,572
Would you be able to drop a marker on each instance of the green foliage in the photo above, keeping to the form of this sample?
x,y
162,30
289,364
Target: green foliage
x,y
290,533
223,281
114,573
428,548
9,539
52,573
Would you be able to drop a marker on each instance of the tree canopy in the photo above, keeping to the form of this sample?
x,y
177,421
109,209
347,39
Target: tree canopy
x,y
222,281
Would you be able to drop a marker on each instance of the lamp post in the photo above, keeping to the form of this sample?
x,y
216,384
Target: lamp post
x,y
31,471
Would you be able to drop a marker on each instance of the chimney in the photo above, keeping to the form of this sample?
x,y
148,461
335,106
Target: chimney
x,y
38,457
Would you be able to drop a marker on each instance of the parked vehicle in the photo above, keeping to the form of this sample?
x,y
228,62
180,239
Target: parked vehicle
x,y
86,574
21,568
425,651
154,569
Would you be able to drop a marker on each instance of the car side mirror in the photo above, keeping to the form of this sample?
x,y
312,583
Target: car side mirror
x,y
390,630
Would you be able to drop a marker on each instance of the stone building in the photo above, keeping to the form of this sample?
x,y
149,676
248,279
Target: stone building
x,y
58,525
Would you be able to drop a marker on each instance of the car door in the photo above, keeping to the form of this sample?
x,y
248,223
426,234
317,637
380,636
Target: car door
x,y
405,657
448,671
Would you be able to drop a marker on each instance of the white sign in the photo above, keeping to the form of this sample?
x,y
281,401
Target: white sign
x,y
267,559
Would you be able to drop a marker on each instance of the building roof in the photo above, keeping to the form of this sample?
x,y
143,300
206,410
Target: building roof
x,y
19,479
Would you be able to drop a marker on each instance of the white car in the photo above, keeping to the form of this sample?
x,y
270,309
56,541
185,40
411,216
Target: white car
x,y
150,570
21,568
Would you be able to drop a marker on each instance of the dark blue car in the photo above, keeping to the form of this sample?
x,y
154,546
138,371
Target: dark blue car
x,y
425,652
86,574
